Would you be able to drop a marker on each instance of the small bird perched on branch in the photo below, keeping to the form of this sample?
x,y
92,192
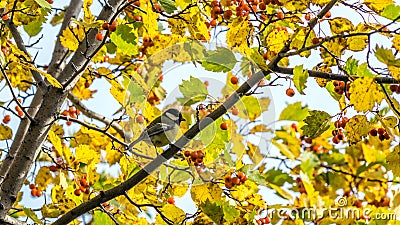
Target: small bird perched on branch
x,y
162,130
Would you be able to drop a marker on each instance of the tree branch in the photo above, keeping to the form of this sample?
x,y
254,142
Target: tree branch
x,y
89,113
12,221
332,76
60,51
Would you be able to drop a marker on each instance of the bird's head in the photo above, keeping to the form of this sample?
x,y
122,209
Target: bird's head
x,y
174,115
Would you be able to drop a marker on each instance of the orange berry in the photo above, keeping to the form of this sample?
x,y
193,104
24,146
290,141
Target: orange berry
x,y
381,130
137,18
32,186
99,37
34,192
20,113
71,110
171,200
158,7
139,119
213,23
186,153
83,189
223,126
84,183
280,15
69,123
77,192
87,84
5,17
137,3
38,192
328,14
65,113
235,111
50,1
308,17
315,40
7,118
290,92
228,14
235,180
234,80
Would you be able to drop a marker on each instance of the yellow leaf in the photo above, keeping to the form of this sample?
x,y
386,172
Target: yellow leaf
x,y
365,92
5,132
356,128
254,153
50,211
276,39
340,25
87,155
150,25
55,140
179,190
173,213
43,178
118,92
396,42
284,149
280,191
203,192
68,38
378,5
239,31
81,91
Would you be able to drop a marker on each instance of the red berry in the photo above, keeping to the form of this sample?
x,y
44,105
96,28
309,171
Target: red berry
x,y
186,153
228,14
328,14
84,183
234,80
336,83
213,23
139,119
32,186
335,140
65,113
381,131
38,192
382,137
315,40
262,6
393,87
34,192
171,200
5,17
49,1
235,180
77,192
99,37
104,26
69,123
223,126
308,17
387,136
373,132
112,28
290,92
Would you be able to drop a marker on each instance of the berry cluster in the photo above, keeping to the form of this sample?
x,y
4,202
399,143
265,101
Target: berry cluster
x,y
338,132
380,132
71,112
35,192
196,157
339,87
264,220
18,109
230,182
106,26
83,186
6,119
395,88
300,185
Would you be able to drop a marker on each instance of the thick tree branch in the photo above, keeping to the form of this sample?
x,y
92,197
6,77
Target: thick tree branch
x,y
49,109
332,76
60,52
91,114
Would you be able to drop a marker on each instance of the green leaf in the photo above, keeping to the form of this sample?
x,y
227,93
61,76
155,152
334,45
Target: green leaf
x,y
34,28
309,162
277,177
294,112
213,211
57,18
221,60
351,66
363,71
193,91
333,158
316,123
386,56
251,107
136,93
230,213
300,78
125,38
168,5
101,218
44,4
391,11
29,213
331,89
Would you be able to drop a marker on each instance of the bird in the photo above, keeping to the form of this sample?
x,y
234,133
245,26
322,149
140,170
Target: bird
x,y
162,130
